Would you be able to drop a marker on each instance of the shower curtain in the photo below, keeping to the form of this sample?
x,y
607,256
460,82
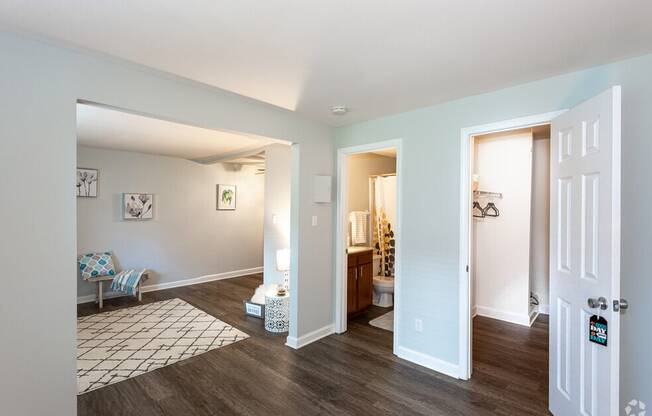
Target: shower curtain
x,y
384,210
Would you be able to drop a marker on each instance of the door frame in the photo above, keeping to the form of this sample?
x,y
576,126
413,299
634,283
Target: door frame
x,y
340,323
465,314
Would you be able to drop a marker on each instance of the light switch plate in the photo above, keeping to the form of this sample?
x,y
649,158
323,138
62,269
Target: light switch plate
x,y
314,220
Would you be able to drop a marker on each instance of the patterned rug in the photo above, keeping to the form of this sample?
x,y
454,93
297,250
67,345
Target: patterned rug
x,y
385,321
115,346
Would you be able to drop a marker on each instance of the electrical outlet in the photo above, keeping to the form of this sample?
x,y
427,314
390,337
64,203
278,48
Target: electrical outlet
x,y
418,325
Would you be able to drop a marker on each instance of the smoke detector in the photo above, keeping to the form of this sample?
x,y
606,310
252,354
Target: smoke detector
x,y
339,110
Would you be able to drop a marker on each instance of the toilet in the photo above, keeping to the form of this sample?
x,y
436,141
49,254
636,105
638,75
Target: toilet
x,y
383,286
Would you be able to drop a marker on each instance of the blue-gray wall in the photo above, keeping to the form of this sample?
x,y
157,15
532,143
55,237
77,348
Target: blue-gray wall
x,y
431,203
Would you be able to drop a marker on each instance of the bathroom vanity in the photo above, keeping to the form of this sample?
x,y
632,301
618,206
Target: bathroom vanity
x,y
359,279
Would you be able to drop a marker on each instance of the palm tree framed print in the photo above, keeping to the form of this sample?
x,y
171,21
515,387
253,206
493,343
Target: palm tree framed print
x,y
225,197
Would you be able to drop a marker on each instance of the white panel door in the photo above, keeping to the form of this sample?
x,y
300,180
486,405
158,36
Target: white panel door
x,y
585,255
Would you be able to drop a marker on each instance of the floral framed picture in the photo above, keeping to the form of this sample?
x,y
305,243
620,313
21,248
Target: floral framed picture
x,y
137,206
226,197
87,182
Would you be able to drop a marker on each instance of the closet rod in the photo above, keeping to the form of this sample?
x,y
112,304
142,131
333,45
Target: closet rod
x,y
489,194
382,176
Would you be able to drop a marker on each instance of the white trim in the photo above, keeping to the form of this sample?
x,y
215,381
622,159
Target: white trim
x,y
310,337
93,297
544,309
465,325
340,320
616,218
515,318
428,361
178,283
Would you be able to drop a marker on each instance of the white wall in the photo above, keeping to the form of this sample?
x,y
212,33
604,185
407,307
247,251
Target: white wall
x,y
430,211
278,163
188,237
40,85
540,224
360,167
502,244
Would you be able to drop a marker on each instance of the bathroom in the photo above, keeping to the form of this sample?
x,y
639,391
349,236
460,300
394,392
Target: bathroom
x,y
371,217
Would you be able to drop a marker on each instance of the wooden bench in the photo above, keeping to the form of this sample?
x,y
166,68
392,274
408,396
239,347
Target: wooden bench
x,y
101,279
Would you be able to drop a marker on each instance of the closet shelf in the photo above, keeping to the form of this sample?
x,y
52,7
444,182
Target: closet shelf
x,y
488,194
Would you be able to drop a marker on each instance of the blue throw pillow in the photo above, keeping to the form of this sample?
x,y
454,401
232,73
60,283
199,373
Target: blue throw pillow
x,y
96,264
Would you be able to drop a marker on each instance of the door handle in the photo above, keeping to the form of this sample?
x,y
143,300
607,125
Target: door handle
x,y
600,302
620,304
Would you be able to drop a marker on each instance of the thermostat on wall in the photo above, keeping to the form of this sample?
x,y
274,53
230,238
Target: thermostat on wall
x,y
322,189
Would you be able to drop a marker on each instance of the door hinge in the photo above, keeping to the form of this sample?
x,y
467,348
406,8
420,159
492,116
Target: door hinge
x,y
467,268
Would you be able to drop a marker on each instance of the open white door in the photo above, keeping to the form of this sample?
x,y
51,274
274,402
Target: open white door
x,y
585,256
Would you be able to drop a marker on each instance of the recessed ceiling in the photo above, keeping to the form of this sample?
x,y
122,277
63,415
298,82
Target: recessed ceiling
x,y
389,152
377,58
107,128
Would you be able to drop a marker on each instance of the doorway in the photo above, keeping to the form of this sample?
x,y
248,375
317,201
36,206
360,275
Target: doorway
x,y
368,240
510,230
466,300
508,265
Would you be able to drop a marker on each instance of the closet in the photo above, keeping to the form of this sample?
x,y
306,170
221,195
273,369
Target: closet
x,y
509,267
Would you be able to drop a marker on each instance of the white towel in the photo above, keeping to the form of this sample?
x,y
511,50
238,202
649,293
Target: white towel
x,y
358,221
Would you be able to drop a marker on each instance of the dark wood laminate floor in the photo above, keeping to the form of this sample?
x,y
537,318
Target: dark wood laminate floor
x,y
350,374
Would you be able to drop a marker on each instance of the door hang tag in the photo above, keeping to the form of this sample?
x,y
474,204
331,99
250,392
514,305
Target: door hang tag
x,y
598,330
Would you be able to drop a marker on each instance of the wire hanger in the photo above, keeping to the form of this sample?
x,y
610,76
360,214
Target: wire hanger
x,y
476,205
487,211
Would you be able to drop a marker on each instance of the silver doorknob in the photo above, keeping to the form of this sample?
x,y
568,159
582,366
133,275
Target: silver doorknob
x,y
600,302
620,304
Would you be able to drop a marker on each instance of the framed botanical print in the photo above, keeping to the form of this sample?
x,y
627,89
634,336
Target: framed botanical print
x,y
87,182
226,197
137,206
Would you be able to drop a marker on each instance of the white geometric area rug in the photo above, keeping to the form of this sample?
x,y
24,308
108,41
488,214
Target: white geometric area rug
x,y
114,346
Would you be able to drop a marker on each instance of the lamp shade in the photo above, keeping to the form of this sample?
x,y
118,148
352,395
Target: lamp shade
x,y
283,259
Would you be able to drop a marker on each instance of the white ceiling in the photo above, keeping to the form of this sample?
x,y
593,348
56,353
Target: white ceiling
x,y
112,129
376,57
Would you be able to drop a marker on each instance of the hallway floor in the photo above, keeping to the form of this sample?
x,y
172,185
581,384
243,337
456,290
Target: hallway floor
x,y
350,374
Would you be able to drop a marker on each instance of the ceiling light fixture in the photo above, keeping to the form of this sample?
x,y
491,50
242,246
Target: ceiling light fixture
x,y
339,110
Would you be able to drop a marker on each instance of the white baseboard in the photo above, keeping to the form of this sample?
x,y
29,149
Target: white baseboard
x,y
177,283
428,361
515,318
474,312
93,297
544,309
310,337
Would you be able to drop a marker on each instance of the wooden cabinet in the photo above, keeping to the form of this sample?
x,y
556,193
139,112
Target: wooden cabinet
x,y
360,282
